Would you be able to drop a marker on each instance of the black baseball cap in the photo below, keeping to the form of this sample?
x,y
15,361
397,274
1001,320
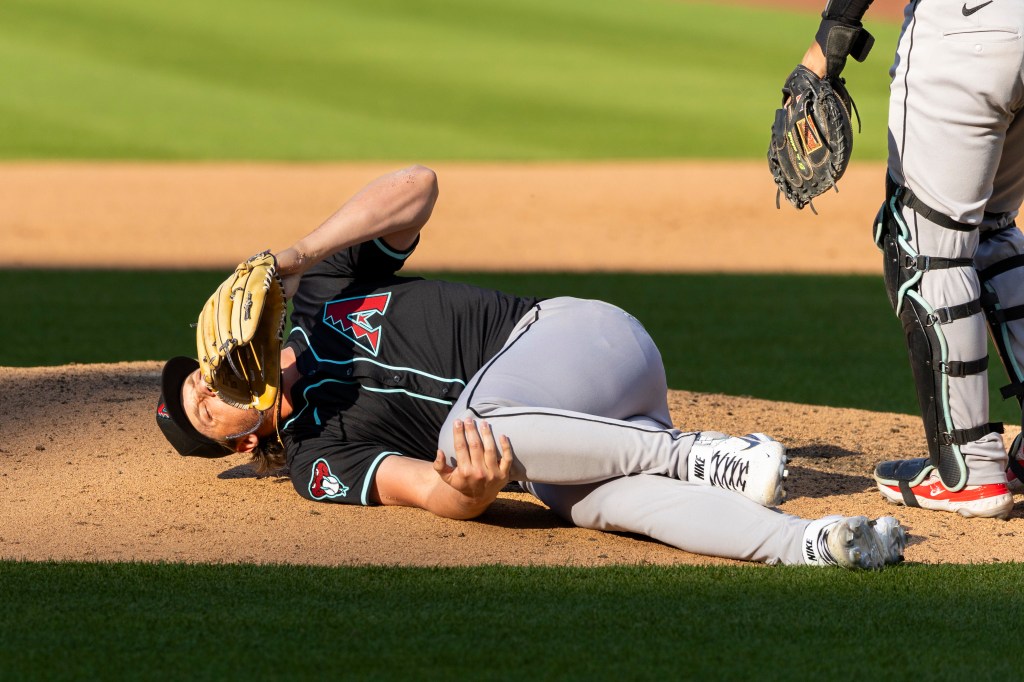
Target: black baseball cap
x,y
171,417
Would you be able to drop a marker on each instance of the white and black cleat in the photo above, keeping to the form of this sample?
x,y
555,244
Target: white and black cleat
x,y
753,465
854,542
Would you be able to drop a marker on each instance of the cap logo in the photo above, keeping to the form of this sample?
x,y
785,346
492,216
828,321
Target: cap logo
x,y
161,411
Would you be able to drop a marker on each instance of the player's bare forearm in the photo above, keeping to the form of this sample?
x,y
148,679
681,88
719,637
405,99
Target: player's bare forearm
x,y
448,502
481,467
395,207
407,482
463,491
814,59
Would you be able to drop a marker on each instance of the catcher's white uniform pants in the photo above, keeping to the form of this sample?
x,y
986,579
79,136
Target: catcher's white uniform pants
x,y
956,140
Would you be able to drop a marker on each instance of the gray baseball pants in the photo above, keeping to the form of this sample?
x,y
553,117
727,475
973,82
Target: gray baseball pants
x,y
580,390
956,140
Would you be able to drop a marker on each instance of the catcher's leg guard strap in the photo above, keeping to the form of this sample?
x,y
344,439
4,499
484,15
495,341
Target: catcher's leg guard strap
x,y
1014,464
1000,259
999,318
926,342
906,197
909,498
904,474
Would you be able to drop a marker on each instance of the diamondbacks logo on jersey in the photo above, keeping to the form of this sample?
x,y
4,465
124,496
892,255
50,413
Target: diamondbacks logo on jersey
x,y
353,319
324,484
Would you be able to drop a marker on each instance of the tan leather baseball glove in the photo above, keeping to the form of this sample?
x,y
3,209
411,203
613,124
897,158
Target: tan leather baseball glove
x,y
239,335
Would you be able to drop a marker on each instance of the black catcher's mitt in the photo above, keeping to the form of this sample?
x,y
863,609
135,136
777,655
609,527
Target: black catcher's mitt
x,y
812,137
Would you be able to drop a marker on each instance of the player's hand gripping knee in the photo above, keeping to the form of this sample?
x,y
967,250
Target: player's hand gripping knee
x,y
479,472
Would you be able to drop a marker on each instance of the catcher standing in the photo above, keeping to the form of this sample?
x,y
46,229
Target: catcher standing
x,y
405,391
953,256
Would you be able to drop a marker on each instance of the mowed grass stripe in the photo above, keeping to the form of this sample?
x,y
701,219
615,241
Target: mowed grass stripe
x,y
809,339
402,79
172,621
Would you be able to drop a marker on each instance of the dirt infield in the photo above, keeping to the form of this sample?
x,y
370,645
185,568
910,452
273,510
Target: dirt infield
x,y
664,216
85,474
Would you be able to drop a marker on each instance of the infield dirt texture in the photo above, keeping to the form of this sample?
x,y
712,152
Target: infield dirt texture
x,y
87,475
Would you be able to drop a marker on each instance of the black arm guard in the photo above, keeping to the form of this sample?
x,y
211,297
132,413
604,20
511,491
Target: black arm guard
x,y
846,11
842,35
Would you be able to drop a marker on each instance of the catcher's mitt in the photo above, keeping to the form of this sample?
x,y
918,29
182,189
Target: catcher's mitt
x,y
239,335
812,137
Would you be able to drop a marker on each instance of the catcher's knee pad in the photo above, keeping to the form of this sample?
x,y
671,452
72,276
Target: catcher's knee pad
x,y
1000,283
923,325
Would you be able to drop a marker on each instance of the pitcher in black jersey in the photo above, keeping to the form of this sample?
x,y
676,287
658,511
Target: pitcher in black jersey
x,y
405,391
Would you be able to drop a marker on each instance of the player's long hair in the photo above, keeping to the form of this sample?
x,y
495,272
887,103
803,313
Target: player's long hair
x,y
269,457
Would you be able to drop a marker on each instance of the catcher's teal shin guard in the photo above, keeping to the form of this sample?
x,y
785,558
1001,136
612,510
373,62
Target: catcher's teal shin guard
x,y
923,326
1000,262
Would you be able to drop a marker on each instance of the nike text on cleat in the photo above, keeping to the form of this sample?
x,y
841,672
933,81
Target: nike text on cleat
x,y
753,465
854,542
916,483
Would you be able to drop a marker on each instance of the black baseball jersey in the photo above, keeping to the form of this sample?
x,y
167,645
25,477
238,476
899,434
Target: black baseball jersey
x,y
382,358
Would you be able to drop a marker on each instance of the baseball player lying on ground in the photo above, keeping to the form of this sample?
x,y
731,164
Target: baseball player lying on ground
x,y
405,391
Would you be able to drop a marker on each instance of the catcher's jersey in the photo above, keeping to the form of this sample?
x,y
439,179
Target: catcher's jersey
x,y
382,358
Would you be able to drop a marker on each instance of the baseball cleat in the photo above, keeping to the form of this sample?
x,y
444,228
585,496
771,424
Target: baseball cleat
x,y
1015,467
916,483
854,542
753,465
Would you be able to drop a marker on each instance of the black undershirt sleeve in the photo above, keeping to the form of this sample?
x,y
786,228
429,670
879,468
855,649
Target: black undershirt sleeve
x,y
849,12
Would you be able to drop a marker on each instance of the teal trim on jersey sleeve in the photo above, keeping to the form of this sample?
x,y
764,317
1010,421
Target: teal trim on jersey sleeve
x,y
364,498
391,252
418,396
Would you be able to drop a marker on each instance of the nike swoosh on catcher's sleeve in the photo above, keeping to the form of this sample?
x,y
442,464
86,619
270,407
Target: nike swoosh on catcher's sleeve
x,y
968,11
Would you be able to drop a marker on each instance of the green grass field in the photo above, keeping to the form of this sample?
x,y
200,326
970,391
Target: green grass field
x,y
159,622
811,339
466,79
405,79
